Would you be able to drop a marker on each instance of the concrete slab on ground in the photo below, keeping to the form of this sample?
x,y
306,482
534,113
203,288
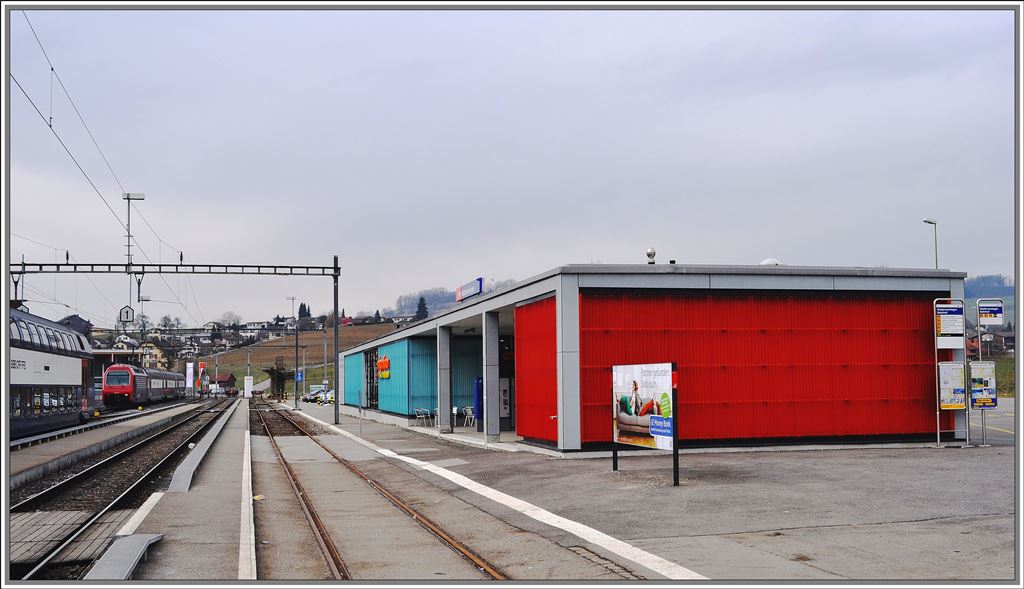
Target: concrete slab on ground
x,y
832,513
201,527
286,548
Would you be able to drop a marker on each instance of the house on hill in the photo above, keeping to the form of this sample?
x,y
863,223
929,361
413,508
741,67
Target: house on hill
x,y
224,381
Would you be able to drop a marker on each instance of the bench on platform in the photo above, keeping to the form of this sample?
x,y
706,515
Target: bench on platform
x,y
119,561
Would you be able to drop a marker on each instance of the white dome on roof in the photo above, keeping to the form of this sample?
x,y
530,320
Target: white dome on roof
x,y
770,262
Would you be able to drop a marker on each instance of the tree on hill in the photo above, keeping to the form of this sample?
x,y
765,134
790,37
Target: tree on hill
x,y
166,322
991,285
304,311
376,316
421,309
230,319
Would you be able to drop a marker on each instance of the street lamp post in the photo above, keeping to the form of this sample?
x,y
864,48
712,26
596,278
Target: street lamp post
x,y
935,226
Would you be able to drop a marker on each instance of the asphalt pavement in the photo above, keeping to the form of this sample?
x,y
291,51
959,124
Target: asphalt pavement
x,y
918,513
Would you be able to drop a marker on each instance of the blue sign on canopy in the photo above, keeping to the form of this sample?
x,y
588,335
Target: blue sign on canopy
x,y
470,289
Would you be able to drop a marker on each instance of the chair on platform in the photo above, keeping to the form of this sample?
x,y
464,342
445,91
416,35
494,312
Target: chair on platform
x,y
470,417
421,417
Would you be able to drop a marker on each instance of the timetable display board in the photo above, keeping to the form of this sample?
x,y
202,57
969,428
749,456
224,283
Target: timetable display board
x,y
990,312
949,325
952,394
983,385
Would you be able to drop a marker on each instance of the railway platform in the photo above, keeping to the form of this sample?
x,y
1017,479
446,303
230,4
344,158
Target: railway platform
x,y
203,533
32,462
736,515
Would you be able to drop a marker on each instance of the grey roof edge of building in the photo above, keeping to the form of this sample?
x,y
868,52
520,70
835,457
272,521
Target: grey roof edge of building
x,y
420,328
780,270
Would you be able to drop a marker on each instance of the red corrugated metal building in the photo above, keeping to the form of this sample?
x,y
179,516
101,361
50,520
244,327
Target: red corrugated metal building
x,y
765,354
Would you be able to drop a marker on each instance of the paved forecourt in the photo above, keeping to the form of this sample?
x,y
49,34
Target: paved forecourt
x,y
869,513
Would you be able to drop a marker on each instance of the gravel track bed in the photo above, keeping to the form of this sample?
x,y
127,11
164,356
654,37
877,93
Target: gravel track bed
x,y
279,425
96,490
40,485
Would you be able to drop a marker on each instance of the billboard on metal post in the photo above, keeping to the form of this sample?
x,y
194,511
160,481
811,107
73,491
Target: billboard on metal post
x,y
952,394
190,374
642,410
983,385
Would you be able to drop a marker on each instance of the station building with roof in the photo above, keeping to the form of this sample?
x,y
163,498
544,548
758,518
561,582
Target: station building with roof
x,y
765,354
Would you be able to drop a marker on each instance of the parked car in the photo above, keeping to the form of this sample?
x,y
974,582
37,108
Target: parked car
x,y
310,397
325,397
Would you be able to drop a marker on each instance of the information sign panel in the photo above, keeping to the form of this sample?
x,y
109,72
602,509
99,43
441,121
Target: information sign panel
x,y
642,411
983,385
300,376
952,394
949,325
990,312
126,314
190,374
248,387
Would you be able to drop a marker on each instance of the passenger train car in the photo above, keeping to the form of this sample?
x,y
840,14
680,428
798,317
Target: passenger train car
x,y
125,385
50,376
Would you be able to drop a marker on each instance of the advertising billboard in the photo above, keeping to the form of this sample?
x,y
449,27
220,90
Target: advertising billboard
x,y
248,387
983,385
642,411
952,394
190,376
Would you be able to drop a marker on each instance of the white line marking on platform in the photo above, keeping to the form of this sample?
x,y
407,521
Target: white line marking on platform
x,y
247,531
651,561
140,514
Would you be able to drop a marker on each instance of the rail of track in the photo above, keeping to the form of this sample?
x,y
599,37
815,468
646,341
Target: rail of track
x,y
66,488
481,563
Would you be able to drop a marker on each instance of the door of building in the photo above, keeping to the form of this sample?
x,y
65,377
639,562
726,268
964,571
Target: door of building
x,y
372,398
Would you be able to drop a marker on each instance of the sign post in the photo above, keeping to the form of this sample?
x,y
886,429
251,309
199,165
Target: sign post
x,y
950,334
644,401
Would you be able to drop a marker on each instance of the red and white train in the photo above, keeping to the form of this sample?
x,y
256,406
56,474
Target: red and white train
x,y
125,385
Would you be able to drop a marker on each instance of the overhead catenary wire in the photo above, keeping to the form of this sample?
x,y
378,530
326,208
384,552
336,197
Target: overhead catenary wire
x,y
106,161
95,189
54,73
87,277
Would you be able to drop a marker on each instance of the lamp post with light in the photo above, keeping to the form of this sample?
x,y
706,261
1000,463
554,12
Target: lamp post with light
x,y
935,226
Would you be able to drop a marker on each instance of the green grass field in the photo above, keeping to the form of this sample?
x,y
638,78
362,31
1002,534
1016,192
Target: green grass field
x,y
1006,373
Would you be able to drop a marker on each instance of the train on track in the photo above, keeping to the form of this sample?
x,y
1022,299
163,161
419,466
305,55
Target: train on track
x,y
125,385
50,384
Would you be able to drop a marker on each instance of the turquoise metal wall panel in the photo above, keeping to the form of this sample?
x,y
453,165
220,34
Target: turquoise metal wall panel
x,y
423,373
354,380
467,366
394,390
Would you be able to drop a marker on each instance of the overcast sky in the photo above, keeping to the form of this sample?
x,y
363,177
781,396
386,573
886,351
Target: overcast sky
x,y
428,148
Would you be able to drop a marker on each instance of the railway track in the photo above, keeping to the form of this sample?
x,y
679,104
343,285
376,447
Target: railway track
x,y
58,532
278,423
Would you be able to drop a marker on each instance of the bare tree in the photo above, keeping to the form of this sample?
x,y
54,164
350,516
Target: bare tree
x,y
230,318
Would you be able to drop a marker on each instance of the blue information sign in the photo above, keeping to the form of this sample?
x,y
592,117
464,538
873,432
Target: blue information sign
x,y
661,426
300,376
469,289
